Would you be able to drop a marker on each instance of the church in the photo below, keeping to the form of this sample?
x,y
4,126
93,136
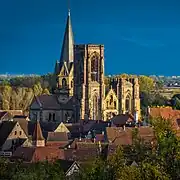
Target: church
x,y
80,91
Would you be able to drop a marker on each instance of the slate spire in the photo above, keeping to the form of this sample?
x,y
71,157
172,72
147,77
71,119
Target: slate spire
x,y
67,51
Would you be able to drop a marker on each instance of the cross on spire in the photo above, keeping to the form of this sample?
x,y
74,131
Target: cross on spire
x,y
68,1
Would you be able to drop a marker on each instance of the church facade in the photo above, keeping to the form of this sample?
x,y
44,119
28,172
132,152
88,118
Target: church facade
x,y
80,88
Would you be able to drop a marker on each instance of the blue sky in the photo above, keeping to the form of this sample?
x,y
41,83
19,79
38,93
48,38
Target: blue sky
x,y
140,37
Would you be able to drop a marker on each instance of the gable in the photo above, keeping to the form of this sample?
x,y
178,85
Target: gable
x,y
111,93
73,169
62,128
17,132
64,70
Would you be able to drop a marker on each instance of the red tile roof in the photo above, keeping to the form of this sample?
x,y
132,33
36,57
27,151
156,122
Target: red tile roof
x,y
118,136
35,154
166,113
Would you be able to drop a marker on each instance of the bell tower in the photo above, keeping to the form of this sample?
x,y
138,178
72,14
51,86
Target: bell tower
x,y
89,80
65,67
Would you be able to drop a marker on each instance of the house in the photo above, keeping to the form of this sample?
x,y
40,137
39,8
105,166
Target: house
x,y
167,113
59,139
70,168
38,151
120,136
12,135
123,119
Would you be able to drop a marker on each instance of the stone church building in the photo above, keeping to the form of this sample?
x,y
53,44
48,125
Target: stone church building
x,y
80,90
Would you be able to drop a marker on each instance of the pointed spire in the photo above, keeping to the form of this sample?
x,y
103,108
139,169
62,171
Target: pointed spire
x,y
38,139
67,51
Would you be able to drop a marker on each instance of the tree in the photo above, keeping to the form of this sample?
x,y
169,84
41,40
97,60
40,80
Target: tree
x,y
168,147
45,91
37,89
175,101
146,84
6,95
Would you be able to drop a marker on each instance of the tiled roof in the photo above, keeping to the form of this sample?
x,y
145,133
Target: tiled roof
x,y
81,155
166,113
57,136
60,144
118,136
34,154
100,137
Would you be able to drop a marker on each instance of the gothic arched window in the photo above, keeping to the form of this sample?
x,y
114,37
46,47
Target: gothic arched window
x,y
94,68
128,103
64,83
111,99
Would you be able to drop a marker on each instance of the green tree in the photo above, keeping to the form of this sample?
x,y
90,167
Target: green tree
x,y
168,147
175,101
146,84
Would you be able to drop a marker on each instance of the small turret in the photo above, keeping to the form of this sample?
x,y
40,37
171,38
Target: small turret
x,y
38,139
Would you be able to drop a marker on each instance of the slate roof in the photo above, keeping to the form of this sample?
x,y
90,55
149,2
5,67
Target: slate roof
x,y
6,128
122,119
49,102
2,114
49,126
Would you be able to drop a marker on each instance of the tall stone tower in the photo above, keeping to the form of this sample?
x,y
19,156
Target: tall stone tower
x,y
64,68
89,85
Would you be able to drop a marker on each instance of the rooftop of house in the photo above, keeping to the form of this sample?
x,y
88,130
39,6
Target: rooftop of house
x,y
166,113
35,154
6,128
